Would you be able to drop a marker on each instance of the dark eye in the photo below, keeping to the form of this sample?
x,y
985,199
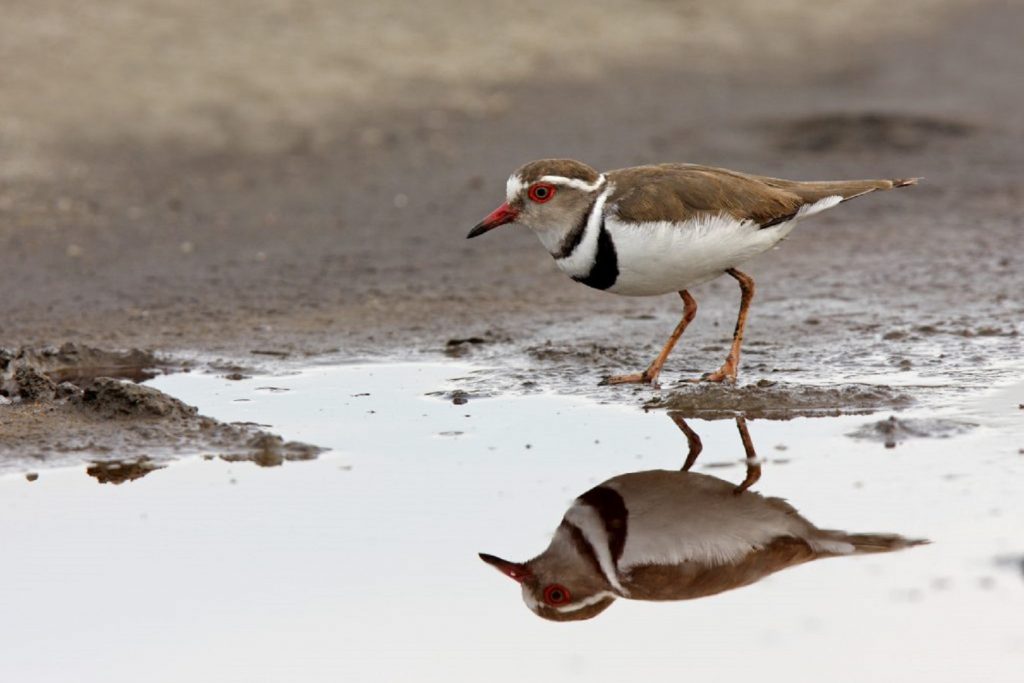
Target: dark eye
x,y
556,594
541,192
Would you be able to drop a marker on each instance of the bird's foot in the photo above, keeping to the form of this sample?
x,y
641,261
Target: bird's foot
x,y
753,474
723,374
636,378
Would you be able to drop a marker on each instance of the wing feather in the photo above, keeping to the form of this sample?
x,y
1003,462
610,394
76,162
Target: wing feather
x,y
680,192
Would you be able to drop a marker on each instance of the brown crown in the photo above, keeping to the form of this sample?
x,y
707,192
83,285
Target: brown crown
x,y
567,168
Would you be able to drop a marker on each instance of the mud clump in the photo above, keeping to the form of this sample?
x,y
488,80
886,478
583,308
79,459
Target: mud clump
x,y
31,385
893,430
48,417
113,399
38,374
777,400
77,363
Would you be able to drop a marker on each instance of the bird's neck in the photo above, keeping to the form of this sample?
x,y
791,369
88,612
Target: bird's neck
x,y
574,247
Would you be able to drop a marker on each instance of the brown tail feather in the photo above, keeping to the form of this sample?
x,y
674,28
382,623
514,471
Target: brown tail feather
x,y
882,185
812,191
875,543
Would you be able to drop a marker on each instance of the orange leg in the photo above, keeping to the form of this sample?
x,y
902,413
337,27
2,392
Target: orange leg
x,y
753,465
732,361
692,440
650,375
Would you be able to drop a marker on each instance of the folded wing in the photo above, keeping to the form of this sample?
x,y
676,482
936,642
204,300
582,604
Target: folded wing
x,y
677,193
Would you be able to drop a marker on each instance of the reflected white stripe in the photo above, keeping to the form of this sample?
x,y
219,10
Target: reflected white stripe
x,y
589,522
586,602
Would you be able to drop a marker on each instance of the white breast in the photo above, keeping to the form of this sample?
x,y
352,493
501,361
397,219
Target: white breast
x,y
676,517
663,257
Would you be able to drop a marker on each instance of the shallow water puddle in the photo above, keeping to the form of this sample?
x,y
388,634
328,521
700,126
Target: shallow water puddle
x,y
361,564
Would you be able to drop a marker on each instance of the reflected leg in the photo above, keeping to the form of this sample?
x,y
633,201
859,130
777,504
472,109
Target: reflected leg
x,y
753,465
692,440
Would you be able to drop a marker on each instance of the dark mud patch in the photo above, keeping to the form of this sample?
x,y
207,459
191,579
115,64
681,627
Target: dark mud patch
x,y
552,352
894,430
777,400
461,347
858,131
118,471
459,397
123,429
270,450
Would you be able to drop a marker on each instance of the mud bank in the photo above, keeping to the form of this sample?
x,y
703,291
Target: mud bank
x,y
58,407
778,400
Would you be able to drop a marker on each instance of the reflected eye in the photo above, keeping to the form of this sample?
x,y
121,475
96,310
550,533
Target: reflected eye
x,y
556,594
541,192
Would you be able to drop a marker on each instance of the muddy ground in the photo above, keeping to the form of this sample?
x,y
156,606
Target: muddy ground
x,y
247,189
62,406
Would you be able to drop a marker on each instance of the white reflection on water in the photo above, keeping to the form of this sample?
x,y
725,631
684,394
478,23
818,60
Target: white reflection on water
x,y
362,565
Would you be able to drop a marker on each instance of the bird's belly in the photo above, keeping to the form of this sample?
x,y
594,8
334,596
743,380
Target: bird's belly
x,y
657,258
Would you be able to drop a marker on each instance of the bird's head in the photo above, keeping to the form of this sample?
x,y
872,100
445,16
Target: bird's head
x,y
561,584
550,196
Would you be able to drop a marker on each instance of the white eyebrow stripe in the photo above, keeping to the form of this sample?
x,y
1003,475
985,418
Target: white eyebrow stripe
x,y
574,183
586,602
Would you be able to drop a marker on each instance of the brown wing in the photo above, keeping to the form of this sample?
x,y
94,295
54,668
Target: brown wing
x,y
678,192
690,580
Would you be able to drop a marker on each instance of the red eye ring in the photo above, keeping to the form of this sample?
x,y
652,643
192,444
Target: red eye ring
x,y
556,594
541,192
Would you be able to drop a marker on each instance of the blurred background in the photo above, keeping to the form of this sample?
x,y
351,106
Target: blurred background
x,y
185,174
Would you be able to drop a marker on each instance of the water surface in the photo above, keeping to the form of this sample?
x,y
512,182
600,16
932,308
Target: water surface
x,y
362,564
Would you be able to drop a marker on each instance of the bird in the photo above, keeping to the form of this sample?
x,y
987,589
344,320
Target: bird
x,y
671,535
658,229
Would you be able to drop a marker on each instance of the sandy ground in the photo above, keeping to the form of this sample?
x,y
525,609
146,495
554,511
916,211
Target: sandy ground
x,y
206,182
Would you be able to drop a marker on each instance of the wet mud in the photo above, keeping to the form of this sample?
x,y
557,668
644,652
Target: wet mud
x,y
777,400
893,430
59,408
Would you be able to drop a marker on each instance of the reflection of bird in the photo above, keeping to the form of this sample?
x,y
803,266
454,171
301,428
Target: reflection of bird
x,y
662,535
657,229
